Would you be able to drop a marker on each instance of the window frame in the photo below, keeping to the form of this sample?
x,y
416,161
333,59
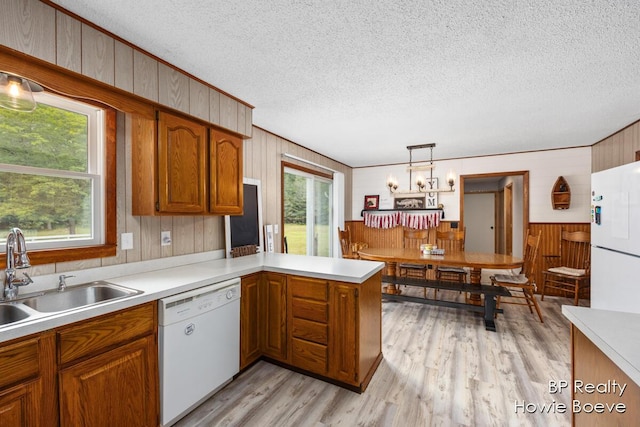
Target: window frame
x,y
113,99
95,116
313,175
100,250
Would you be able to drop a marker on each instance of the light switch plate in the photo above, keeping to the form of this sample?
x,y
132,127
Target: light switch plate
x,y
276,229
126,241
165,238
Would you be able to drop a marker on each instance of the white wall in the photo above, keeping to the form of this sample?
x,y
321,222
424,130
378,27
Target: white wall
x,y
544,168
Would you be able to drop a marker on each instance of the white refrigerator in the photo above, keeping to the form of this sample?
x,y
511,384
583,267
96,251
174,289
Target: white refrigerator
x,y
615,238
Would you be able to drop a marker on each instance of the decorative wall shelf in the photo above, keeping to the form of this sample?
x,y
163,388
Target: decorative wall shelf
x,y
561,194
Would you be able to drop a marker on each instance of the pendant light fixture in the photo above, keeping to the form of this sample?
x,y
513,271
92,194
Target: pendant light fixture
x,y
16,92
424,185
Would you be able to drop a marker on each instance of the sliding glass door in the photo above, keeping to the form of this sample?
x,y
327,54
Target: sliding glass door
x,y
307,199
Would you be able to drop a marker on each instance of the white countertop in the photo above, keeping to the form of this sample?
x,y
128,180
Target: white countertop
x,y
615,333
161,283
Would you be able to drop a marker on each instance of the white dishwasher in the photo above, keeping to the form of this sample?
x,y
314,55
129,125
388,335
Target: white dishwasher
x,y
199,346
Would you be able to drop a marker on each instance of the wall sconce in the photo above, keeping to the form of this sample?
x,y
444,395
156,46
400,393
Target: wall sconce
x,y
16,93
392,183
451,179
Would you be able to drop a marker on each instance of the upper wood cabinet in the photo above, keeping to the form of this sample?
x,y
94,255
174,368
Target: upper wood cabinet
x,y
182,167
226,174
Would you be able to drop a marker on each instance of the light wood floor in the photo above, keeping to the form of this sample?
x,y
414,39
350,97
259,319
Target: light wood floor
x,y
440,368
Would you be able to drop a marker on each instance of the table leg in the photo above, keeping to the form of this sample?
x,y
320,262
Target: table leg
x,y
391,288
475,276
489,312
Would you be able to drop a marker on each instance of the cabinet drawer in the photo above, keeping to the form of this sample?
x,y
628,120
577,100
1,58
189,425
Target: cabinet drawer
x,y
106,331
310,310
310,331
19,362
306,287
309,356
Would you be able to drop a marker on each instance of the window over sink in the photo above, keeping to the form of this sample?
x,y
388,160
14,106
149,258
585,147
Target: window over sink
x,y
53,174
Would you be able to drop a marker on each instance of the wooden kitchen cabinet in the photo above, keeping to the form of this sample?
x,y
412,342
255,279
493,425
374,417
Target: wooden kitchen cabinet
x,y
226,174
344,328
115,388
308,323
108,369
27,391
182,167
329,328
249,320
273,315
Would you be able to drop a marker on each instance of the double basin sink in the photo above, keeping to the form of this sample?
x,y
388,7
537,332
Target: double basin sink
x,y
47,303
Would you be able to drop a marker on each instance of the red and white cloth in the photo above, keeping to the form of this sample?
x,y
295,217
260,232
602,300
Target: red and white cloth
x,y
415,220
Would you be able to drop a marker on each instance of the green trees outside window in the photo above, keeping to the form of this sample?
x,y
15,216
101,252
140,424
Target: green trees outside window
x,y
46,178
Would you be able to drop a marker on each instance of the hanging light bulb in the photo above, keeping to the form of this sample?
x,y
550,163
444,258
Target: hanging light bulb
x,y
16,93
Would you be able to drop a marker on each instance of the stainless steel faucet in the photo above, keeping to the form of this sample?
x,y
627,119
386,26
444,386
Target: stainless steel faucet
x,y
17,258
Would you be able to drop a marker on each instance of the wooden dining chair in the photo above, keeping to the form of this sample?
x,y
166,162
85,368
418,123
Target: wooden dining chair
x,y
412,238
349,249
523,282
451,241
568,271
345,243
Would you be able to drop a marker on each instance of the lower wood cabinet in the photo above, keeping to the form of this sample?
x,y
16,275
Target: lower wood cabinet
x,y
115,388
99,372
108,371
25,377
327,328
272,294
601,406
344,337
249,320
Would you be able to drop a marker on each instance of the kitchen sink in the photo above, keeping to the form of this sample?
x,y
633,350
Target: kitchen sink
x,y
10,313
78,296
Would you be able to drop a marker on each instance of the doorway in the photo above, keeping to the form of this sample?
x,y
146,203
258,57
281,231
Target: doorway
x,y
494,208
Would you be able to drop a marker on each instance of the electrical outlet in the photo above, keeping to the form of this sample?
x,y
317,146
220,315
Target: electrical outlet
x,y
165,238
276,229
126,241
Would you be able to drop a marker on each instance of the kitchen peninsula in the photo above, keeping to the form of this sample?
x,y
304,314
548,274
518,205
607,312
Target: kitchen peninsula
x,y
349,292
605,387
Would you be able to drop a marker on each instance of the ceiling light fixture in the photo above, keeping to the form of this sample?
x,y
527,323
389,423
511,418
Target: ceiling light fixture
x,y
16,92
424,185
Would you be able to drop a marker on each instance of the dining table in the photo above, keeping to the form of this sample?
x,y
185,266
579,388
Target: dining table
x,y
474,261
474,291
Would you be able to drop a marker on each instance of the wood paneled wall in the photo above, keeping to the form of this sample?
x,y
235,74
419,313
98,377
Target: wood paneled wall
x,y
262,160
549,242
46,33
617,149
41,32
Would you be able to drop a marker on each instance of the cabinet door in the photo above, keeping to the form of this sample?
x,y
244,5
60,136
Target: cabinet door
x,y
182,165
226,174
116,388
27,382
19,406
249,320
273,299
343,324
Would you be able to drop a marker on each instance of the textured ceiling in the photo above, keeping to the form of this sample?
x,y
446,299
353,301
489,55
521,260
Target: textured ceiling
x,y
360,80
